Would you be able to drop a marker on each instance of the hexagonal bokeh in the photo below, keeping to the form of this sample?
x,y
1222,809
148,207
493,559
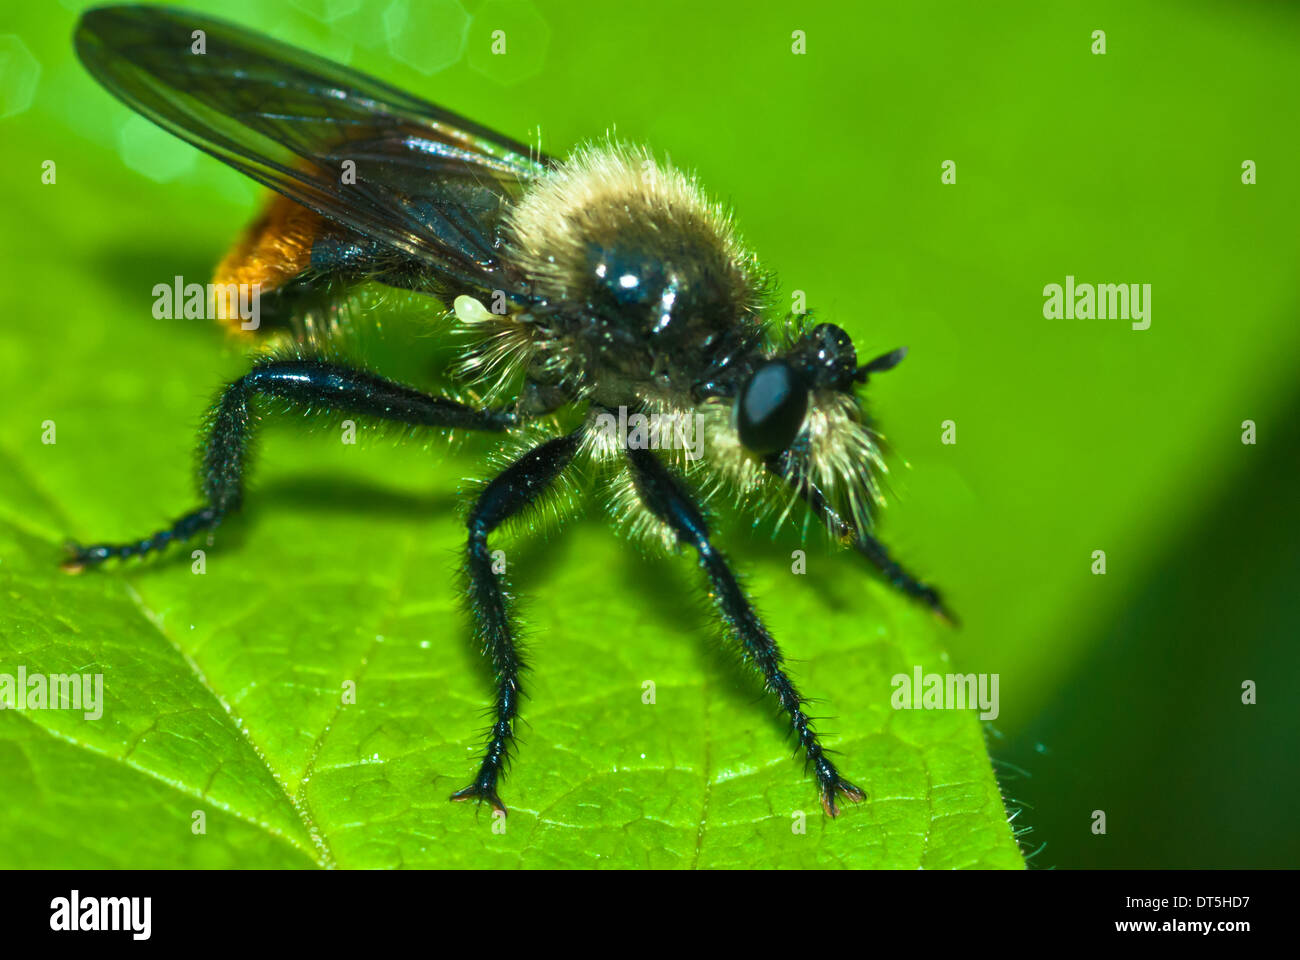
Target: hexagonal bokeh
x,y
19,73
364,26
429,35
153,151
508,40
326,11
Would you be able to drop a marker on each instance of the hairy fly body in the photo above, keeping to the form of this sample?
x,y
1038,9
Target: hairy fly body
x,y
615,286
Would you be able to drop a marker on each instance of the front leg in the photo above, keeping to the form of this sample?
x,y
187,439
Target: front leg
x,y
668,500
513,489
304,383
861,540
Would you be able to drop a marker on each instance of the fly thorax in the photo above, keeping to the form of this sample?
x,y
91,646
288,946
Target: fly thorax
x,y
643,274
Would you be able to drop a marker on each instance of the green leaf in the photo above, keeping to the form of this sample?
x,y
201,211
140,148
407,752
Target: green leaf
x,y
223,695
224,690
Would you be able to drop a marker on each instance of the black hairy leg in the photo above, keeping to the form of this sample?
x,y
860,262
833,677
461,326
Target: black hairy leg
x,y
865,543
314,384
899,578
667,499
510,492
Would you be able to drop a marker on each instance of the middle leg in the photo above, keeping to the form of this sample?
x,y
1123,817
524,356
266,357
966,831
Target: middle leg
x,y
514,489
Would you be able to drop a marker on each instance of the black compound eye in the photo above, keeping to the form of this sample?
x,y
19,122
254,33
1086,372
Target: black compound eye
x,y
771,408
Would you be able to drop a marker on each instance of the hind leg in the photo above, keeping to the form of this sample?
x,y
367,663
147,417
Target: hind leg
x,y
310,384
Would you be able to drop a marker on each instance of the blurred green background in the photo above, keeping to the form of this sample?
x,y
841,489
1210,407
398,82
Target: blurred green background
x,y
1120,692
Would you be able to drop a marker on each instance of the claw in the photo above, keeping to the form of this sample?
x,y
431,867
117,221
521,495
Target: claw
x,y
75,560
848,791
479,793
946,617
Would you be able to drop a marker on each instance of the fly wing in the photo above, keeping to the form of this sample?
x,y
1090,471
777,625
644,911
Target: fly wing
x,y
429,185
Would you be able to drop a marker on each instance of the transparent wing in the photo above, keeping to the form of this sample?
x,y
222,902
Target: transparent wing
x,y
429,184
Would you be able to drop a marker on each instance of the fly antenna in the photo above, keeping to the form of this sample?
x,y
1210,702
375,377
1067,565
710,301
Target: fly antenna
x,y
886,361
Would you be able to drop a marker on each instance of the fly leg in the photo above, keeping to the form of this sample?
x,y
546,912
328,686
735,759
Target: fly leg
x,y
863,542
510,492
305,383
665,497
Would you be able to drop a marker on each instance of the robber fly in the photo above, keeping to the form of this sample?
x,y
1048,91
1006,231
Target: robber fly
x,y
617,289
